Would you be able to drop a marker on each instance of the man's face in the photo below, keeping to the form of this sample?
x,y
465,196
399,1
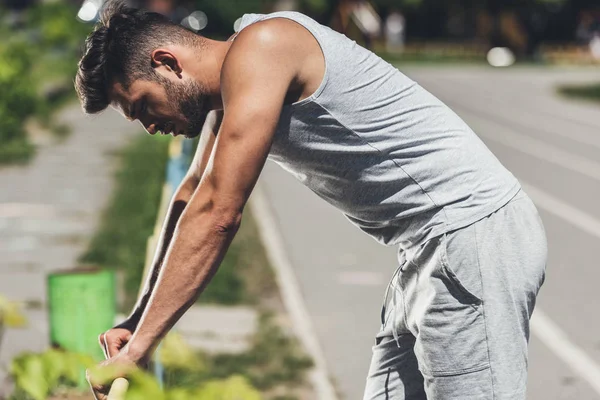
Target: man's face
x,y
161,105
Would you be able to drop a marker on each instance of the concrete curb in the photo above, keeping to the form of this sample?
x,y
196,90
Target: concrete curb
x,y
290,292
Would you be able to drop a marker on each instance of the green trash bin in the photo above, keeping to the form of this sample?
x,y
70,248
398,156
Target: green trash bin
x,y
82,305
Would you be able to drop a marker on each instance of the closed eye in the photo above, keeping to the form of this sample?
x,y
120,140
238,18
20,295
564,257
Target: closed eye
x,y
143,107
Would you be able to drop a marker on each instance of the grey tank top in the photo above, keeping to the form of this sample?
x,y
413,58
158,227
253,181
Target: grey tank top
x,y
393,158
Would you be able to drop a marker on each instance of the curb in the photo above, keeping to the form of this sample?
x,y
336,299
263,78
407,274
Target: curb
x,y
290,292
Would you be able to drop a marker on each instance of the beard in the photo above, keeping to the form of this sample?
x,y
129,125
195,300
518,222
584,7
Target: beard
x,y
190,99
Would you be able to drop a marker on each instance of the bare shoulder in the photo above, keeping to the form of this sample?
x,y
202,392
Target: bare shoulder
x,y
277,50
279,42
273,32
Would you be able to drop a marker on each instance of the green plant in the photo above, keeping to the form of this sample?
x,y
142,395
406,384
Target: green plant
x,y
57,25
142,386
586,92
17,100
274,359
10,316
38,63
38,375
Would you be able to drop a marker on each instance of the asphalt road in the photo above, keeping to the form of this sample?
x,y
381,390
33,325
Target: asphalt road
x,y
552,146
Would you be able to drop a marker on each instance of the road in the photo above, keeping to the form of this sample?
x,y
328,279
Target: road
x,y
552,145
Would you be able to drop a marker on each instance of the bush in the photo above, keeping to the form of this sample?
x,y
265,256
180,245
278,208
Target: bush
x,y
17,100
42,52
587,92
57,37
37,376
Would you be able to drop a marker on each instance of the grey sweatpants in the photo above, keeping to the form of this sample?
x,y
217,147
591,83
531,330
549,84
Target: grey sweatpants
x,y
455,321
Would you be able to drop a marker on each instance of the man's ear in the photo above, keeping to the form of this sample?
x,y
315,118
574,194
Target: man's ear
x,y
162,58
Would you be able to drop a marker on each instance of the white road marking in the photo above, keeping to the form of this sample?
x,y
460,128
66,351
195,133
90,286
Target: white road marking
x,y
538,149
290,292
563,210
541,325
525,119
557,341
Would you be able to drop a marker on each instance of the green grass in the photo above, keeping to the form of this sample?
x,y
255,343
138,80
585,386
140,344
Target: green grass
x,y
274,363
16,151
586,92
129,219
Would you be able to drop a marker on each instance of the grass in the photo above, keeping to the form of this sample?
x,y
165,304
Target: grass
x,y
16,151
275,363
587,92
129,219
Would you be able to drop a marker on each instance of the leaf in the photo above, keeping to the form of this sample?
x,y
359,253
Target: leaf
x,y
10,314
54,366
180,394
29,373
234,388
175,352
143,386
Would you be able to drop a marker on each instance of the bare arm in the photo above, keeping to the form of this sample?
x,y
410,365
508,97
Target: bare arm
x,y
113,340
178,203
253,95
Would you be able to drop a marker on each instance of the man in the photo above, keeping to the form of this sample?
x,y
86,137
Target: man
x,y
396,161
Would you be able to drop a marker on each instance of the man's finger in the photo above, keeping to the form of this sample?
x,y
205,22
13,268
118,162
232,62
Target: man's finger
x,y
108,352
114,348
103,344
100,391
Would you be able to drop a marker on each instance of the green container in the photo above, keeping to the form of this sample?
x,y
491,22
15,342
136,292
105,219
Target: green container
x,y
82,305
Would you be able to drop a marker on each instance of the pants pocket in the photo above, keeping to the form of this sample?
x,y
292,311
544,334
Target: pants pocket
x,y
451,340
460,265
451,335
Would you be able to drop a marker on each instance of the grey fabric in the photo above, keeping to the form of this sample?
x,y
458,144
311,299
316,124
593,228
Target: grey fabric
x,y
455,322
393,158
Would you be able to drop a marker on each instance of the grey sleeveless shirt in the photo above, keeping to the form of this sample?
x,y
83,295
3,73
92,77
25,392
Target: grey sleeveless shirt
x,y
392,157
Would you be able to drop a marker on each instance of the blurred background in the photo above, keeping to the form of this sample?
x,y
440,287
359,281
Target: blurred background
x,y
293,311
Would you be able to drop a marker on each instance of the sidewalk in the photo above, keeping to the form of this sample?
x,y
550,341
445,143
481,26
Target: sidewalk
x,y
49,209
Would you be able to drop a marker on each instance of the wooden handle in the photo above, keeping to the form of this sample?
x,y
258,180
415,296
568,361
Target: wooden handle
x,y
118,389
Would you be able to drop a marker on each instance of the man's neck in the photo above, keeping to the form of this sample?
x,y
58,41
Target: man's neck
x,y
206,66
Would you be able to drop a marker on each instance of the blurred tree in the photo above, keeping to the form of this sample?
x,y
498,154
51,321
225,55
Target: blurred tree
x,y
17,4
222,14
534,21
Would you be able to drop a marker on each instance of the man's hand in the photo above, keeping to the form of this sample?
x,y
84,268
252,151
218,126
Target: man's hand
x,y
120,365
112,341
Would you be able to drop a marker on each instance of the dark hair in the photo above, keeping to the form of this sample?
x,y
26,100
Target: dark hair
x,y
119,50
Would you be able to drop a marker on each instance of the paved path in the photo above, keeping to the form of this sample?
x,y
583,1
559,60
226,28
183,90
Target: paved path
x,y
553,146
49,209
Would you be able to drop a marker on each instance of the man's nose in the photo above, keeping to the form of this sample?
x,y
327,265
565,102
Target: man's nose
x,y
150,128
148,124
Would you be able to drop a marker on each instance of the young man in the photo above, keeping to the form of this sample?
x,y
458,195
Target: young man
x,y
396,161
